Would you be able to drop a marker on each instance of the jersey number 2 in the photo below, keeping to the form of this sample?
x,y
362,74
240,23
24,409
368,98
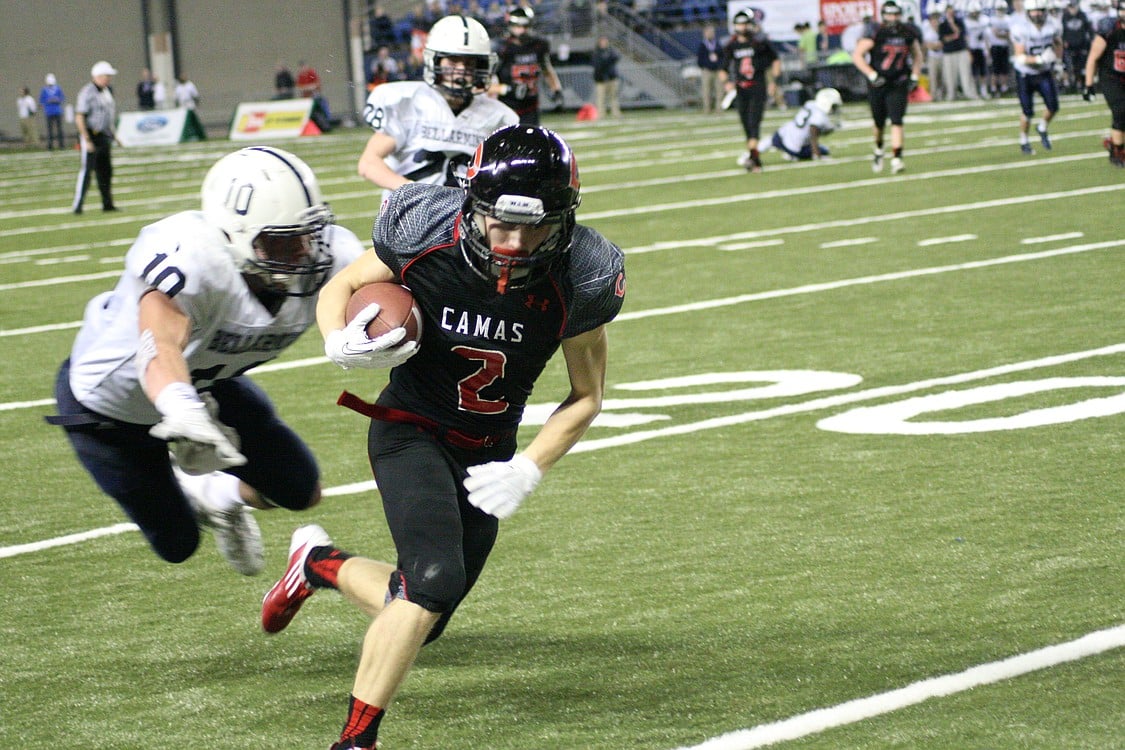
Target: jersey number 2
x,y
492,364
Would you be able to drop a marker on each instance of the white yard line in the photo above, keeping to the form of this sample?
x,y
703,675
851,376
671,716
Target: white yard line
x,y
857,710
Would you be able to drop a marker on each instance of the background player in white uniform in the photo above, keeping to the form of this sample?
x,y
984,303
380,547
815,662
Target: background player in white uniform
x,y
976,31
1036,45
999,48
427,131
800,137
159,361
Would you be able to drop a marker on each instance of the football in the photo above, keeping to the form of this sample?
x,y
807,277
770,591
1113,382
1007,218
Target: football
x,y
396,308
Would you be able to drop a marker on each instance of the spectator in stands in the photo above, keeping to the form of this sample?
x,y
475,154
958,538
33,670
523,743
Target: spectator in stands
x,y
605,78
709,58
415,66
384,68
382,28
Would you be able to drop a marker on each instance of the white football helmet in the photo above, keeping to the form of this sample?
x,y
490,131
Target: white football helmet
x,y
828,101
460,37
1000,6
1036,6
268,203
973,6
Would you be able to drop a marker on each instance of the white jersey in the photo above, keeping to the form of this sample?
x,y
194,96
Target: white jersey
x,y
976,29
185,257
433,145
794,134
1034,39
997,34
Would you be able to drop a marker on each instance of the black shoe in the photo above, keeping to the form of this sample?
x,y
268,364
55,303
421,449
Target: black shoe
x,y
78,210
110,208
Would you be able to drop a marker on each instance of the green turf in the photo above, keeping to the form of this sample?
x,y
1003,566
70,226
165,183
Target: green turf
x,y
656,594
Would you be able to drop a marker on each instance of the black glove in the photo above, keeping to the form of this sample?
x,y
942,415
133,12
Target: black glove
x,y
1088,94
557,97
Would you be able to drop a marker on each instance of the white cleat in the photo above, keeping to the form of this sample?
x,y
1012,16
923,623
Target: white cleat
x,y
897,165
236,532
877,160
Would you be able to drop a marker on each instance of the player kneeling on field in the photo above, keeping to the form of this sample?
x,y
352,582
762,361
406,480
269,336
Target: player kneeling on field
x,y
800,137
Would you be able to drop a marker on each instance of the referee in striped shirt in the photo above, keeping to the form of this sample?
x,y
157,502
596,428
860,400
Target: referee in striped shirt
x,y
94,114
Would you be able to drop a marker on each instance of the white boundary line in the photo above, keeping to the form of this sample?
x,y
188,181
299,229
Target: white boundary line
x,y
865,708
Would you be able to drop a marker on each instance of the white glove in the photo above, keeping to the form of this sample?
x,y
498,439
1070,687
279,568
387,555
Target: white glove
x,y
499,487
199,441
1047,56
350,346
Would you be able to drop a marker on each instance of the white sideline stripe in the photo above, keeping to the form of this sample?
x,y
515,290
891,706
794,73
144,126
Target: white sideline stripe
x,y
586,446
60,541
857,710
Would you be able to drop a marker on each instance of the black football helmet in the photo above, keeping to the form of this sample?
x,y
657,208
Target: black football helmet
x,y
519,175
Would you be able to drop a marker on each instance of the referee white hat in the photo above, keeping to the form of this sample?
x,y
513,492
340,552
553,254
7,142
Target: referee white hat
x,y
102,68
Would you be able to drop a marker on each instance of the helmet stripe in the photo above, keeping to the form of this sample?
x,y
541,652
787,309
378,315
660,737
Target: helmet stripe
x,y
292,167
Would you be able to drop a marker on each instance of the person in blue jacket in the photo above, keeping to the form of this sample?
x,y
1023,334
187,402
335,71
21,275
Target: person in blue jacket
x,y
51,100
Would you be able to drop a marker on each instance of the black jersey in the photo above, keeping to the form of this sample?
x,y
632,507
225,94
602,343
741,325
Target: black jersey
x,y
747,63
481,351
892,56
521,66
1112,63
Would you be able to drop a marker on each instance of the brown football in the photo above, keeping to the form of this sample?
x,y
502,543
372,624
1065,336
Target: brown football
x,y
396,308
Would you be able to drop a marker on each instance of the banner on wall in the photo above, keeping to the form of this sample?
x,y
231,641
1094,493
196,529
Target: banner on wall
x,y
840,14
283,118
776,17
159,127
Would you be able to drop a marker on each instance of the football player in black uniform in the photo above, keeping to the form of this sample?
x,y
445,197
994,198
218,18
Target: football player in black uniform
x,y
504,278
750,69
1107,61
890,56
525,60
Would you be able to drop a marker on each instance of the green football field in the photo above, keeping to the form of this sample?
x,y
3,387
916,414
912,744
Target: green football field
x,y
858,481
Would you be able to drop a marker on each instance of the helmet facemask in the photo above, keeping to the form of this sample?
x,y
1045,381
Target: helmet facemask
x,y
520,176
294,261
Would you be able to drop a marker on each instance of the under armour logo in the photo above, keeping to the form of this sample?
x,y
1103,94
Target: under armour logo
x,y
541,303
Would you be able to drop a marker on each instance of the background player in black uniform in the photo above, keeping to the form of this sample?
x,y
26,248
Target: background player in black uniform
x,y
750,69
890,56
1107,61
504,278
525,61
